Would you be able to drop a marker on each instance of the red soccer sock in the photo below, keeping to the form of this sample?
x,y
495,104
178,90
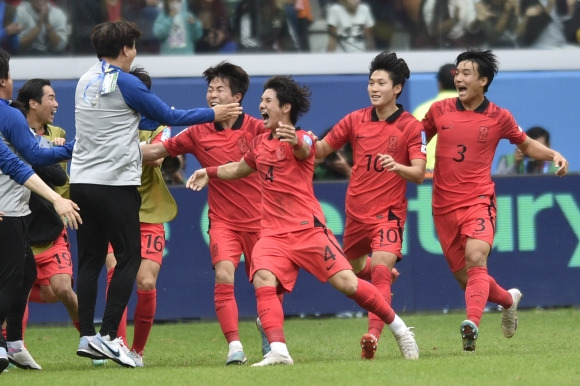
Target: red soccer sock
x,y
476,293
381,279
77,325
122,329
226,310
368,297
35,294
366,272
143,318
271,314
110,273
499,295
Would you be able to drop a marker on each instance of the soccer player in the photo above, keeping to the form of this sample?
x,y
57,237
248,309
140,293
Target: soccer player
x,y
157,207
48,237
293,233
469,129
17,265
389,150
105,173
234,206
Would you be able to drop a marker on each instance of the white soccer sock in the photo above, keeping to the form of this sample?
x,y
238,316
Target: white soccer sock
x,y
235,345
280,348
397,325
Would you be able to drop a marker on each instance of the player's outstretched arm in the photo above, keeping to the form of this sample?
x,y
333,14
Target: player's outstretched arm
x,y
153,152
223,112
536,150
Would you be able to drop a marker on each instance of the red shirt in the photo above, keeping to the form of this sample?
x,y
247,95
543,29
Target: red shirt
x,y
372,191
466,144
288,201
232,204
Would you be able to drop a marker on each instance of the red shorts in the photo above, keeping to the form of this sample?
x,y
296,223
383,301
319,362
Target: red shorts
x,y
55,260
152,242
453,229
228,245
315,250
362,239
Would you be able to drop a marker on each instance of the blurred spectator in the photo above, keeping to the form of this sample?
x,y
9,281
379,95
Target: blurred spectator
x,y
518,163
144,13
539,26
335,166
445,89
350,24
177,28
386,14
569,13
299,18
9,29
85,14
216,27
261,26
452,23
419,33
499,22
44,28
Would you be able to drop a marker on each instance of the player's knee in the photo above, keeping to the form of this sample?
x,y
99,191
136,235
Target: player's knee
x,y
223,276
345,281
146,283
263,278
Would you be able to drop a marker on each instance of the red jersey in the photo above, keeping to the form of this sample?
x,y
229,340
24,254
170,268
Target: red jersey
x,y
466,144
372,191
288,201
232,204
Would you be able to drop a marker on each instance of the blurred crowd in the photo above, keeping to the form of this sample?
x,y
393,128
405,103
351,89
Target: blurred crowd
x,y
186,27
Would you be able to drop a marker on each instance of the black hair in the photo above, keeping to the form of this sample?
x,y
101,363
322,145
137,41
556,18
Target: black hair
x,y
110,37
234,76
289,91
396,67
142,75
4,64
536,132
487,63
32,89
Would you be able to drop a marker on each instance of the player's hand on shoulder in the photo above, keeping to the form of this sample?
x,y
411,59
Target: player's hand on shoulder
x,y
314,136
223,112
198,180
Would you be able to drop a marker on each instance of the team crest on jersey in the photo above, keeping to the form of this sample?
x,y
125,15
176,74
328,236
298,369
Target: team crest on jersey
x,y
281,153
483,133
393,144
243,145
